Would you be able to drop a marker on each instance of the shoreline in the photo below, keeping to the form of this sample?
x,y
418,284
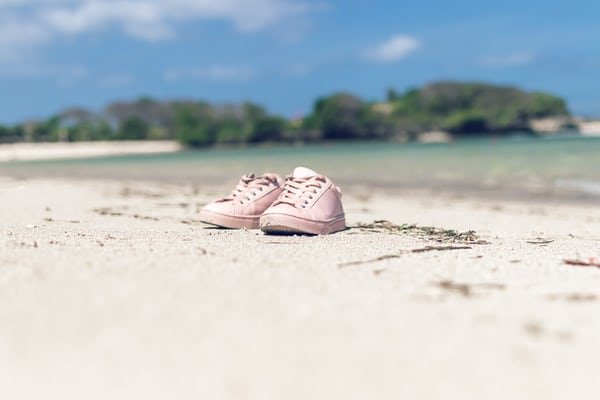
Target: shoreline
x,y
31,151
103,161
72,150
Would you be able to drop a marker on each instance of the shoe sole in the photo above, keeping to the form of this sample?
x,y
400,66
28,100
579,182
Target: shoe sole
x,y
288,225
228,221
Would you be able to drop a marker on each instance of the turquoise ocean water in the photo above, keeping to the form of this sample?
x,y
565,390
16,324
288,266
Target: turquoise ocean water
x,y
549,168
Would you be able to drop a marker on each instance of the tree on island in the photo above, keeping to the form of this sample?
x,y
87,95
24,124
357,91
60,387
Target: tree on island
x,y
458,108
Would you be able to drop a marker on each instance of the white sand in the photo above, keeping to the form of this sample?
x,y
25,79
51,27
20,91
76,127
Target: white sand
x,y
129,302
50,151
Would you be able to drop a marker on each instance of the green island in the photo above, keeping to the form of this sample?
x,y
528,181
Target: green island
x,y
453,109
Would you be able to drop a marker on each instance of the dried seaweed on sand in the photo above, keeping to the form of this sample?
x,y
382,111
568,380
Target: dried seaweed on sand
x,y
427,232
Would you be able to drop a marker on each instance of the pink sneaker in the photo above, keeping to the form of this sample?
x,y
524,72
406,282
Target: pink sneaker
x,y
244,206
310,203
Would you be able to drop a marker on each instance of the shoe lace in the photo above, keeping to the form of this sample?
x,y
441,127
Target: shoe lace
x,y
298,192
248,187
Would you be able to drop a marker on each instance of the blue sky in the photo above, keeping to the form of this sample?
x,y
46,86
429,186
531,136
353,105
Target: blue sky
x,y
286,53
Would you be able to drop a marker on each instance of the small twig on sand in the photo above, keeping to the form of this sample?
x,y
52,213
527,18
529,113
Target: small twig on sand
x,y
390,256
191,222
439,248
591,262
540,241
381,258
466,289
461,288
574,297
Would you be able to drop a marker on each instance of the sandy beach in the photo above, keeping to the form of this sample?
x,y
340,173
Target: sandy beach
x,y
66,150
114,290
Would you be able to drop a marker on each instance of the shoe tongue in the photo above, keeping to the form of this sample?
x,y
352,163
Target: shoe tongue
x,y
303,172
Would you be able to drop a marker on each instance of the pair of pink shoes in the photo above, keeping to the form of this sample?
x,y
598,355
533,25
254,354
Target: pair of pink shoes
x,y
305,203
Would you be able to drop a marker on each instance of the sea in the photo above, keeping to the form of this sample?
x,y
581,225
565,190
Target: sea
x,y
558,168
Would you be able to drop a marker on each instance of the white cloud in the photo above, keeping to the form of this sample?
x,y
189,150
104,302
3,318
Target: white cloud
x,y
394,49
511,60
26,24
215,73
17,39
138,19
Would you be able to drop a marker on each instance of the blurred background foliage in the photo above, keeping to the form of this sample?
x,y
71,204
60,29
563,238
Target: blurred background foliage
x,y
457,108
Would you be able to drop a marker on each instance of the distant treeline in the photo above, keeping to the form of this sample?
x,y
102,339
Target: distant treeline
x,y
457,108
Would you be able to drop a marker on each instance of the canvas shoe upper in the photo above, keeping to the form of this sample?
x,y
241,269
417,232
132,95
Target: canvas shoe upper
x,y
243,207
310,203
